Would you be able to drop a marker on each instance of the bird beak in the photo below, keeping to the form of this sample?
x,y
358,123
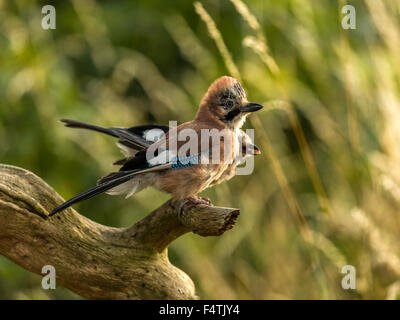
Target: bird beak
x,y
253,150
250,107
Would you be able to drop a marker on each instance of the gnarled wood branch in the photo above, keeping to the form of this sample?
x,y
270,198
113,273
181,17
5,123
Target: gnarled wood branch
x,y
93,260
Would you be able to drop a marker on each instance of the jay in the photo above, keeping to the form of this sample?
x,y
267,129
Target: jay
x,y
185,160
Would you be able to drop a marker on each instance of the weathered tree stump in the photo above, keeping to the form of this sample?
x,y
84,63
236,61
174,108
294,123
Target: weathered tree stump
x,y
96,261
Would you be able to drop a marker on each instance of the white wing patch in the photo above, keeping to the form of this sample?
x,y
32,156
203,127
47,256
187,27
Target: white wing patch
x,y
153,134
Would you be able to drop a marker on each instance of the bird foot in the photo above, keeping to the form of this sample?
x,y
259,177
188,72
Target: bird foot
x,y
194,201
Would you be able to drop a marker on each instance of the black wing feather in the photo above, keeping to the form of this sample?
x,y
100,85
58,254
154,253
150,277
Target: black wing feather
x,y
94,191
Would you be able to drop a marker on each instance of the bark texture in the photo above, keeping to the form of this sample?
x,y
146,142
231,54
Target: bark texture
x,y
93,260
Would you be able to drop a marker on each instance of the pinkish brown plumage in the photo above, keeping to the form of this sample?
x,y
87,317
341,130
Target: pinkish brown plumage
x,y
161,163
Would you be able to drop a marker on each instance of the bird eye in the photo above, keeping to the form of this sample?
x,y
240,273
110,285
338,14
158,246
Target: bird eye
x,y
228,104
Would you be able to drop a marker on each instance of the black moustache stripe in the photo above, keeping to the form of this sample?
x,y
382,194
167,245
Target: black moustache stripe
x,y
232,114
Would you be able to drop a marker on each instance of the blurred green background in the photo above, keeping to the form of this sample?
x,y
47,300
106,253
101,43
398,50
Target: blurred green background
x,y
324,193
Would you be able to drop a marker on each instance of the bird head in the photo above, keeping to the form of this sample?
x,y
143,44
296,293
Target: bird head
x,y
226,101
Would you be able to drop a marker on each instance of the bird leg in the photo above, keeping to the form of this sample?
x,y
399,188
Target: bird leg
x,y
194,201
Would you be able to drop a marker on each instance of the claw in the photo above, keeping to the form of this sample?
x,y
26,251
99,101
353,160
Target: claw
x,y
194,201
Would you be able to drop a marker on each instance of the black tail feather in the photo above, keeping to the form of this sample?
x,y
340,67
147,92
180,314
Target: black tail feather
x,y
76,124
95,191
